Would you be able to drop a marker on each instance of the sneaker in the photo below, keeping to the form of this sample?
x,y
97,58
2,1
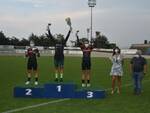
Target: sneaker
x,y
36,83
83,85
118,92
56,79
112,92
88,85
61,80
27,83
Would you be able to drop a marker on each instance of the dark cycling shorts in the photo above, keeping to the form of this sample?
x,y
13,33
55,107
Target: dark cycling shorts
x,y
59,63
86,65
32,66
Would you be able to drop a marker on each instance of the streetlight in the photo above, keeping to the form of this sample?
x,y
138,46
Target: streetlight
x,y
91,4
88,31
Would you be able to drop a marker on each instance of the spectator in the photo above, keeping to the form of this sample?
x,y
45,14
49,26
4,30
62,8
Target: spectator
x,y
138,67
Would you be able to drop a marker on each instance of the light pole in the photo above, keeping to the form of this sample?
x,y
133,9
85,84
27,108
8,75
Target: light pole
x,y
91,4
88,31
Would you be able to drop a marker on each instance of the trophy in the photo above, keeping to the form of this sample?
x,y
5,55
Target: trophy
x,y
49,24
68,20
77,32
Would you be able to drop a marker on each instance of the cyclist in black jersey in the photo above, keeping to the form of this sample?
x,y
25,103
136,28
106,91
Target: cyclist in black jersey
x,y
32,53
86,48
59,53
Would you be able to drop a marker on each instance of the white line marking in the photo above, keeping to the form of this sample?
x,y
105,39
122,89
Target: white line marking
x,y
57,101
34,106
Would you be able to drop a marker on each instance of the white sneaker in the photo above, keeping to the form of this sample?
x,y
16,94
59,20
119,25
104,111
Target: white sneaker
x,y
36,83
112,92
27,83
83,85
88,85
118,92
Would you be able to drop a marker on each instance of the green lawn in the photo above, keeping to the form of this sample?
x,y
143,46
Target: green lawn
x,y
13,73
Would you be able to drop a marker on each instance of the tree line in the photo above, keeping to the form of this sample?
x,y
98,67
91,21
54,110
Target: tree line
x,y
100,41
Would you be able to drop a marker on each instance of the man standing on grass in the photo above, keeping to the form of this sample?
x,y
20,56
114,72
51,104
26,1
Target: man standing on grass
x,y
31,53
60,42
138,68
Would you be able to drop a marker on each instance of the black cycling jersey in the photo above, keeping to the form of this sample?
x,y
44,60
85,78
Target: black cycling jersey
x,y
59,45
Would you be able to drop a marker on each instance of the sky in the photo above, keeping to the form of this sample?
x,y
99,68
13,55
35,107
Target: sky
x,y
123,22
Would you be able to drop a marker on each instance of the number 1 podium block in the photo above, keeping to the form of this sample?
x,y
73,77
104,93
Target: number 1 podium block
x,y
28,92
59,90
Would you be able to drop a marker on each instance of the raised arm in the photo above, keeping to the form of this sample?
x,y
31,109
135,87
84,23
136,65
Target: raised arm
x,y
37,53
78,41
49,35
67,37
26,53
145,66
131,66
92,45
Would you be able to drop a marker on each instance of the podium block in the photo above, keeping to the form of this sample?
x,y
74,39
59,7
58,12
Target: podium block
x,y
88,94
59,90
29,92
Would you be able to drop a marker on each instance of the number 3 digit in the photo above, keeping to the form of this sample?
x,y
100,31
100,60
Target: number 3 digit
x,y
89,94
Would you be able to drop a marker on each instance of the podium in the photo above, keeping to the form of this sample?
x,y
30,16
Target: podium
x,y
90,94
58,90
28,92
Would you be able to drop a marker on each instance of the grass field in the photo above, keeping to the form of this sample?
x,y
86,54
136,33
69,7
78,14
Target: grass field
x,y
12,73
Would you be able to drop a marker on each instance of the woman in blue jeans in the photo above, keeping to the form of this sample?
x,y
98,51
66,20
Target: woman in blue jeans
x,y
138,68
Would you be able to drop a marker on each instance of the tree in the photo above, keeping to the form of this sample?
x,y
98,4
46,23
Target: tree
x,y
14,41
24,42
81,40
34,38
101,42
3,39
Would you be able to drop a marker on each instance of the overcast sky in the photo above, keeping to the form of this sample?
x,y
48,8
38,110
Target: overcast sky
x,y
123,21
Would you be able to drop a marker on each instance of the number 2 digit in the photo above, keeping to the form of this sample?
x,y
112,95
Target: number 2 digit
x,y
28,92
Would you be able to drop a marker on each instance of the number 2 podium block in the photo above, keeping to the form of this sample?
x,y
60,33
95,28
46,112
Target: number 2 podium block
x,y
88,94
59,90
28,92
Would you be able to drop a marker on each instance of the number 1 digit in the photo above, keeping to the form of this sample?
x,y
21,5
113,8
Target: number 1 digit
x,y
59,88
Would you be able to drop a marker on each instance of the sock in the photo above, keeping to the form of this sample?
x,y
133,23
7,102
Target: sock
x,y
29,78
88,81
83,81
56,75
61,75
36,79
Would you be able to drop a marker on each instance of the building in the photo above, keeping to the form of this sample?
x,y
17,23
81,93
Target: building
x,y
145,47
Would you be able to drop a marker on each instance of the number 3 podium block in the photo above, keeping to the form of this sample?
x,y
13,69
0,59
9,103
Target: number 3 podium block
x,y
59,90
89,94
29,92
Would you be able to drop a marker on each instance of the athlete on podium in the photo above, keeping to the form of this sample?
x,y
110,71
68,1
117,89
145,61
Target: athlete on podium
x,y
31,53
59,42
86,48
